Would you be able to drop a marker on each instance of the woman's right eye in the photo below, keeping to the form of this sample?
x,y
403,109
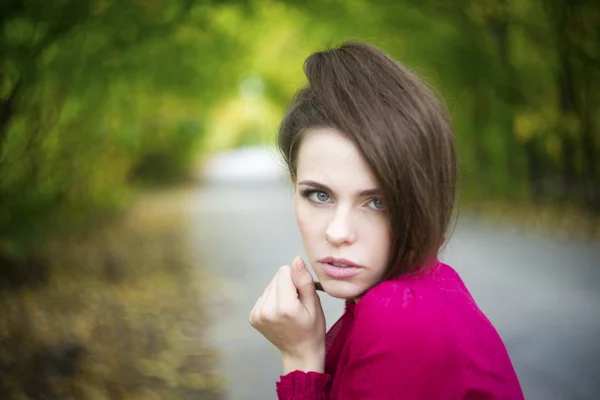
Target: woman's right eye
x,y
318,196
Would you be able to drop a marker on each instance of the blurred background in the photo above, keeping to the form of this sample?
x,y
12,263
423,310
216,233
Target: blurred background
x,y
143,208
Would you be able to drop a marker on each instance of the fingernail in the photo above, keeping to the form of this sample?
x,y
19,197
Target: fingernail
x,y
298,263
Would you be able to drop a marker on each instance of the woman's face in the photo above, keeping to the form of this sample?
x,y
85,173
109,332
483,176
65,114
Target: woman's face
x,y
340,214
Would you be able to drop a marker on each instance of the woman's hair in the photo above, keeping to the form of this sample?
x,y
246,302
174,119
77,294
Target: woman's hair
x,y
401,129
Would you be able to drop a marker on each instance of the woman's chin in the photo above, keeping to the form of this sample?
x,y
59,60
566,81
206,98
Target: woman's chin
x,y
341,289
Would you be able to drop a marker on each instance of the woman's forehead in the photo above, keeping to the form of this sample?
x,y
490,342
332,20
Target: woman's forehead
x,y
327,157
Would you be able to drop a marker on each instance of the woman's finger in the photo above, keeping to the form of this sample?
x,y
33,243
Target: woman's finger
x,y
269,311
267,308
255,308
258,306
287,296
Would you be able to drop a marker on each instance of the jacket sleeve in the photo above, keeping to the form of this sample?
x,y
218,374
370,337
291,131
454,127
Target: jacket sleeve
x,y
299,385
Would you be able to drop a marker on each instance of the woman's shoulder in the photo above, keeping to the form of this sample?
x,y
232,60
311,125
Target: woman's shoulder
x,y
399,318
395,298
412,302
400,306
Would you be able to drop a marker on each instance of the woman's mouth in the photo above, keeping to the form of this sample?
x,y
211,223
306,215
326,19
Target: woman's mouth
x,y
339,268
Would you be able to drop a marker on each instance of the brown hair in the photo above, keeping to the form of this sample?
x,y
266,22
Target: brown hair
x,y
403,132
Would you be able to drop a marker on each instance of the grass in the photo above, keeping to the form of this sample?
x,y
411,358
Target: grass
x,y
119,317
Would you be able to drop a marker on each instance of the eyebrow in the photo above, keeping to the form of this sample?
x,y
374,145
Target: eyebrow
x,y
325,188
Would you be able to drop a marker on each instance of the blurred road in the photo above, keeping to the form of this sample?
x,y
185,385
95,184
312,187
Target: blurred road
x,y
543,295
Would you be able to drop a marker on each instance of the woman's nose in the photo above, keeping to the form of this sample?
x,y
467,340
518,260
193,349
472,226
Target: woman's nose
x,y
339,231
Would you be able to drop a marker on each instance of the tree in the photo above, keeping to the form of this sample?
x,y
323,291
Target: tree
x,y
90,90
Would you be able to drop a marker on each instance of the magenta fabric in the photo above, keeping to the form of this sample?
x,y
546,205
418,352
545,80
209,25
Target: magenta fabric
x,y
415,337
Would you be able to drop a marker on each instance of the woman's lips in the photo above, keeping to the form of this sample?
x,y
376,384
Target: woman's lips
x,y
339,267
339,272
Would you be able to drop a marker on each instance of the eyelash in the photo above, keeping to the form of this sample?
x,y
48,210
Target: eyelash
x,y
306,193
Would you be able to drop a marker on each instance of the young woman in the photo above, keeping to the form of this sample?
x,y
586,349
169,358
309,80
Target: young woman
x,y
372,159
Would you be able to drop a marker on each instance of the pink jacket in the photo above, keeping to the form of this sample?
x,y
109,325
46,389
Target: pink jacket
x,y
416,337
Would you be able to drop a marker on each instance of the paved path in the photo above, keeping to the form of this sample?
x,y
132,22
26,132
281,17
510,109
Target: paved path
x,y
543,295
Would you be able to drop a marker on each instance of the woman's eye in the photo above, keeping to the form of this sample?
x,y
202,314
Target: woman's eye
x,y
376,204
319,197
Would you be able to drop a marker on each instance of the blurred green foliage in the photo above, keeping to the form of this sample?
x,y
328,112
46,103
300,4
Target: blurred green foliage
x,y
99,96
93,93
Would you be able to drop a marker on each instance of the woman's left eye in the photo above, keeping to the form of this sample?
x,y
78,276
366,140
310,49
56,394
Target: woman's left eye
x,y
376,204
319,197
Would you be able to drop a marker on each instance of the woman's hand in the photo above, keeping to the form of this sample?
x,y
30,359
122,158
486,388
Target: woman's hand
x,y
289,315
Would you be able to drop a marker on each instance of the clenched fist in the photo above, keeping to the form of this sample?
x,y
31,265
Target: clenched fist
x,y
289,315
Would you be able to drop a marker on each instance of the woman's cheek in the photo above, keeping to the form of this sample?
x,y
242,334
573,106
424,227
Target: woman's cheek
x,y
306,221
312,223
